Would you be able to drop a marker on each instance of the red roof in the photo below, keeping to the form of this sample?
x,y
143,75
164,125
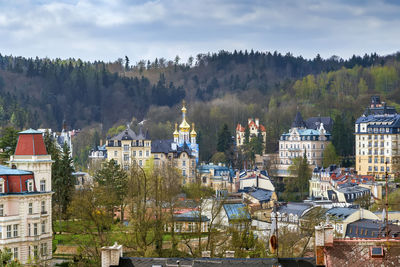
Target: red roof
x,y
262,128
30,143
240,128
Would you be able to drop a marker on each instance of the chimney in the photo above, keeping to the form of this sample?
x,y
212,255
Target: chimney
x,y
323,238
257,122
110,255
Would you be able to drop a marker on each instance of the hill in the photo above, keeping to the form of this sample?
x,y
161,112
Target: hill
x,y
219,88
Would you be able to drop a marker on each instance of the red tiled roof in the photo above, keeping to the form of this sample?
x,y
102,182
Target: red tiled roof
x,y
30,144
262,128
240,128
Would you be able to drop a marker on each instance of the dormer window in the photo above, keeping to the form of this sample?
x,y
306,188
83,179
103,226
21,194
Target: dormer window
x,y
1,185
29,185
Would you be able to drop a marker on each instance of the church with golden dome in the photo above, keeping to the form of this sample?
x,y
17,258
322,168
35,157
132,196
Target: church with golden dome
x,y
182,151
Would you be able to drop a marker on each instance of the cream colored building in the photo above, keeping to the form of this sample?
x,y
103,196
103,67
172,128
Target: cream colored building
x,y
127,148
377,140
25,201
310,137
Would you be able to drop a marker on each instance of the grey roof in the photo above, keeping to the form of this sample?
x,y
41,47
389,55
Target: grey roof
x,y
371,229
191,216
236,211
164,146
340,213
220,262
129,134
30,131
298,121
261,195
315,122
294,208
4,170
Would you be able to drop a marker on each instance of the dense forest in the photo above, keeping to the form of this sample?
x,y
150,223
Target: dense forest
x,y
225,87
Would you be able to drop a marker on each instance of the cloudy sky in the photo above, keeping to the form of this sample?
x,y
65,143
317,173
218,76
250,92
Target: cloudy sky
x,y
146,29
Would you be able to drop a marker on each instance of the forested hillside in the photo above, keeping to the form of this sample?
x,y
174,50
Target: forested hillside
x,y
219,88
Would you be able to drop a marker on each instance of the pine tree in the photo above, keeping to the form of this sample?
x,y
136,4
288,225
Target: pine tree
x,y
224,139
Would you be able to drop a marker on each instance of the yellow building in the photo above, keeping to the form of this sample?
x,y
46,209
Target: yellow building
x,y
127,148
377,140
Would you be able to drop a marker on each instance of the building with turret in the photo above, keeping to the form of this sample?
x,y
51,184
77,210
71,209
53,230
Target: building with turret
x,y
377,140
25,201
310,137
181,152
255,129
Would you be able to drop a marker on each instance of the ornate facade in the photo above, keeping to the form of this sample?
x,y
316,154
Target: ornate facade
x,y
310,137
127,148
25,201
182,151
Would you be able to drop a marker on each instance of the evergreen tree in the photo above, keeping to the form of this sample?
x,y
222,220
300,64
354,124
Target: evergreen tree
x,y
296,186
115,179
8,143
224,139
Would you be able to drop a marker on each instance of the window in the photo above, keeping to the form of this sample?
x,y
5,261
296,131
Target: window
x,y
140,153
1,185
147,153
134,153
183,173
115,153
1,209
43,249
43,185
15,253
126,147
29,229
30,208
43,227
183,162
382,169
140,163
29,185
43,207
8,231
35,229
370,168
15,228
369,160
35,251
126,157
382,160
376,159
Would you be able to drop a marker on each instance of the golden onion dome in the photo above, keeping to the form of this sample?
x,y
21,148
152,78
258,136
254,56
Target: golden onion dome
x,y
193,132
184,126
176,133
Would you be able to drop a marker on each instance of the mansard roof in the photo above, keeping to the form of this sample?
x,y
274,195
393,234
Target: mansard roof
x,y
129,134
30,143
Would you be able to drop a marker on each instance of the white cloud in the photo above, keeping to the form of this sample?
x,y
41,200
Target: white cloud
x,y
106,30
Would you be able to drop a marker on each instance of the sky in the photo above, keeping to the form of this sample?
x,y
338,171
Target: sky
x,y
111,29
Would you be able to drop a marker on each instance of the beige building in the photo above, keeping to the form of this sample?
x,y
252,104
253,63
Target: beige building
x,y
25,201
377,140
255,128
310,137
127,148
181,152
